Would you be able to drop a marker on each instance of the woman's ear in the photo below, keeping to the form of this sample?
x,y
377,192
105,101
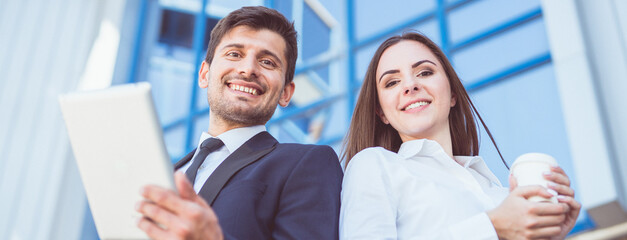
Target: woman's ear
x,y
381,115
453,99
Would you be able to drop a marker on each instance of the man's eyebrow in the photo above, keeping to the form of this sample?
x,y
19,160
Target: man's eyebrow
x,y
421,62
271,54
388,72
235,45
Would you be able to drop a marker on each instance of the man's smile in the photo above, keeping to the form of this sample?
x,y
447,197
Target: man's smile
x,y
250,90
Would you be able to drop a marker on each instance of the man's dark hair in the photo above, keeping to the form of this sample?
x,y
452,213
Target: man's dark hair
x,y
258,18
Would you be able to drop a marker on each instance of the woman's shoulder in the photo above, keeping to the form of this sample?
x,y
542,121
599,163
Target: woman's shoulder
x,y
372,157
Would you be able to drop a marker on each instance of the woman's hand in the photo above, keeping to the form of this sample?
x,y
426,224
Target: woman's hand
x,y
566,195
518,218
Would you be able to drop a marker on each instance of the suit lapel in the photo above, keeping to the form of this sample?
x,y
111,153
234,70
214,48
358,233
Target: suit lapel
x,y
251,151
184,160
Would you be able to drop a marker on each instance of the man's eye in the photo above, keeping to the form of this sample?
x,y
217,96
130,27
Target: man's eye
x,y
233,54
268,63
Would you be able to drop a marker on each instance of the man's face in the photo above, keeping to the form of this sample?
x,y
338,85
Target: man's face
x,y
246,78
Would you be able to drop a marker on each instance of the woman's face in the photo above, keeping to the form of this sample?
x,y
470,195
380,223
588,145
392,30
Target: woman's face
x,y
414,92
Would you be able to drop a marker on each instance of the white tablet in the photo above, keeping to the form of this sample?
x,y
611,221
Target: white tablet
x,y
118,145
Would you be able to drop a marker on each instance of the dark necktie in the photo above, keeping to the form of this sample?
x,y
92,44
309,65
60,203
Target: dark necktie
x,y
206,147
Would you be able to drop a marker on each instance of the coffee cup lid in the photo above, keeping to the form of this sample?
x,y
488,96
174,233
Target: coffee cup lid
x,y
535,157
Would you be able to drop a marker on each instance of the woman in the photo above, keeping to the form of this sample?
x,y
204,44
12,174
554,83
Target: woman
x,y
412,165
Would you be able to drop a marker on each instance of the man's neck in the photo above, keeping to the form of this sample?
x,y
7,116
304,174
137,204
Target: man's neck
x,y
218,125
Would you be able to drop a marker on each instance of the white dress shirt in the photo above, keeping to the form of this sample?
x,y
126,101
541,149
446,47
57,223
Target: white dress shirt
x,y
419,193
232,140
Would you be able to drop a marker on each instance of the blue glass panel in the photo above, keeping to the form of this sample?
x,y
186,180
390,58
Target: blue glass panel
x,y
284,136
285,7
479,16
201,98
336,8
231,5
323,73
524,115
430,29
496,54
170,76
177,28
211,22
175,141
452,1
374,16
201,124
362,59
89,230
315,34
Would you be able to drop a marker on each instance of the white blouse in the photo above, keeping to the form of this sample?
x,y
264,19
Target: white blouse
x,y
419,193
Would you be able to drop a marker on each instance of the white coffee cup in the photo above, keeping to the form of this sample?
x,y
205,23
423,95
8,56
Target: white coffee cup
x,y
528,170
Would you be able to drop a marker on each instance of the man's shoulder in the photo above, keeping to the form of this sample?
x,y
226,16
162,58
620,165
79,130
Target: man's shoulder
x,y
303,146
298,149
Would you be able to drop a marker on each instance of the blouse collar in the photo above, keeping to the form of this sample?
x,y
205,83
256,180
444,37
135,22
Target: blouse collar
x,y
432,149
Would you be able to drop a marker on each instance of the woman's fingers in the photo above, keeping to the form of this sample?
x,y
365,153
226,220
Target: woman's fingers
x,y
544,232
548,209
513,183
562,189
557,175
547,221
573,205
530,191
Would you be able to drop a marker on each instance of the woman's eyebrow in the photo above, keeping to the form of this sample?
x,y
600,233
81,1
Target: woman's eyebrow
x,y
388,72
415,65
421,62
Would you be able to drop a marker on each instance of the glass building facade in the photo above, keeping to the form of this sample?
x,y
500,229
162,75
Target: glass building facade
x,y
502,51
498,48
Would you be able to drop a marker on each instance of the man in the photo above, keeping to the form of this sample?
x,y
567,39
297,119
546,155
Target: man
x,y
249,186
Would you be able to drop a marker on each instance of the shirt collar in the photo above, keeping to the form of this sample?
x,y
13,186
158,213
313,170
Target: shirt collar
x,y
235,138
430,148
420,147
477,163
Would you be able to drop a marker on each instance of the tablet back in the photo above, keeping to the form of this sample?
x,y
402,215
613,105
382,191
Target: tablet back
x,y
118,145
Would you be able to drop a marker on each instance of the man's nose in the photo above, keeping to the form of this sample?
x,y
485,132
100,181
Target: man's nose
x,y
248,67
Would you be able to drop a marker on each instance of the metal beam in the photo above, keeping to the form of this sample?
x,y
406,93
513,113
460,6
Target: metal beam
x,y
520,20
137,45
197,46
509,72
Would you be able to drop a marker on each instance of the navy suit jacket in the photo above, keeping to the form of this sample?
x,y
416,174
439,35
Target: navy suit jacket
x,y
270,190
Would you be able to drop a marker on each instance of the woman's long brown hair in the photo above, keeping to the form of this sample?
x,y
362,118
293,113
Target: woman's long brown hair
x,y
367,130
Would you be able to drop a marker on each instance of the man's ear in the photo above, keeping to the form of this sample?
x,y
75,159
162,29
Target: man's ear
x,y
287,93
203,75
381,115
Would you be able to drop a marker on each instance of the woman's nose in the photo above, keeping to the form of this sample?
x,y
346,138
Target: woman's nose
x,y
411,89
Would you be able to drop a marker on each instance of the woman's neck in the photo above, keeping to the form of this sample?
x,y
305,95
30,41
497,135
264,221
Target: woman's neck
x,y
442,137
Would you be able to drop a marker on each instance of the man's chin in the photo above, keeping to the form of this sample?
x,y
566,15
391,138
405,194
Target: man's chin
x,y
247,116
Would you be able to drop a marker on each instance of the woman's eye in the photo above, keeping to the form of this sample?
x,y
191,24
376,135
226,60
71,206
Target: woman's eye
x,y
425,73
391,83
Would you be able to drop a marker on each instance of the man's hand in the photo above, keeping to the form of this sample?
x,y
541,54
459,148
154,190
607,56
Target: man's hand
x,y
168,215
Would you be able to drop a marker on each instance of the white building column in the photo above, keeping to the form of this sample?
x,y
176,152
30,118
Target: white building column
x,y
48,48
587,40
